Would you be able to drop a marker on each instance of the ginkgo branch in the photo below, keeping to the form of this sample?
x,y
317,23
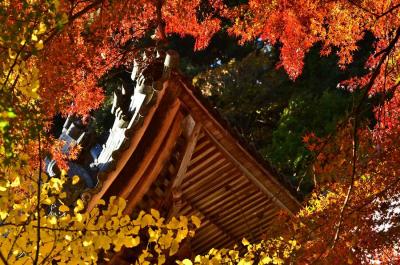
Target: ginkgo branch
x,y
13,65
38,204
3,259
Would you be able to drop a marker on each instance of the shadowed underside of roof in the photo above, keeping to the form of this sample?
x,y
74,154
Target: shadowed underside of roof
x,y
183,161
229,204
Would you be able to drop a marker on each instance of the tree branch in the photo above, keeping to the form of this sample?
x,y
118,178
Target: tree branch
x,y
367,88
35,262
362,8
3,259
351,186
388,11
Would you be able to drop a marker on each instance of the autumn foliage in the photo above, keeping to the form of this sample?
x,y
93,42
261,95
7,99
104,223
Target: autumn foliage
x,y
54,52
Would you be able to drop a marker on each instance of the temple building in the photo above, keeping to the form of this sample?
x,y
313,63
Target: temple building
x,y
170,150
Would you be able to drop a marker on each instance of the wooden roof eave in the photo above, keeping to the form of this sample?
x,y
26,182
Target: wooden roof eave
x,y
235,151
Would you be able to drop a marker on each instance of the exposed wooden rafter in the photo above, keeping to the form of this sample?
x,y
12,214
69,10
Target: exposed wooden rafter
x,y
211,220
157,163
152,150
191,131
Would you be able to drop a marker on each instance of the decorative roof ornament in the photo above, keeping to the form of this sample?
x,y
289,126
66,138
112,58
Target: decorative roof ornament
x,y
131,101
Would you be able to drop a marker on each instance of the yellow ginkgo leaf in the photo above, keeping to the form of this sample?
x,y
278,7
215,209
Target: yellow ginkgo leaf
x,y
16,182
4,186
79,206
39,45
147,220
245,242
42,28
87,243
52,220
12,54
174,248
161,259
155,213
131,242
3,215
48,201
75,179
63,208
196,221
101,202
79,217
187,262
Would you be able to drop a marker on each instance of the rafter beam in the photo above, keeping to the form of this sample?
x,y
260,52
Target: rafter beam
x,y
211,220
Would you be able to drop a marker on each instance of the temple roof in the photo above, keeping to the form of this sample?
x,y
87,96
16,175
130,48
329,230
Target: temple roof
x,y
169,149
186,159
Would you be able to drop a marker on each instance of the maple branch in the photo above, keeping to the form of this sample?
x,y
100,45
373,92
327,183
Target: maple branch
x,y
375,196
160,22
362,8
388,11
78,14
368,87
86,9
351,186
53,32
375,74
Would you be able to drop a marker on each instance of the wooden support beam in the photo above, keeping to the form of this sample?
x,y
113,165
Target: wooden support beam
x,y
259,183
226,203
210,219
214,187
156,165
237,224
260,227
204,163
233,207
202,142
211,200
191,143
203,245
203,153
152,151
175,191
200,180
265,225
260,174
